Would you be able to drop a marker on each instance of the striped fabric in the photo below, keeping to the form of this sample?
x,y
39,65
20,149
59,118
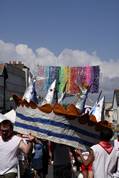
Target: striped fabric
x,y
74,76
55,128
63,77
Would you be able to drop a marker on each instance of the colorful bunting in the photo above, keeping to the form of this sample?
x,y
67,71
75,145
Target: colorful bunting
x,y
73,75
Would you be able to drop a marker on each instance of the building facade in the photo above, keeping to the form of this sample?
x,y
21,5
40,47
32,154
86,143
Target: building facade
x,y
13,80
112,112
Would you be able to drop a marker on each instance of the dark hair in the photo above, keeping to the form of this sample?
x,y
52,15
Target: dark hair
x,y
7,123
106,134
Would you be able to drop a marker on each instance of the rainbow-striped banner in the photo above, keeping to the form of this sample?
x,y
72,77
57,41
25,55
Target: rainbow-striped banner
x,y
73,75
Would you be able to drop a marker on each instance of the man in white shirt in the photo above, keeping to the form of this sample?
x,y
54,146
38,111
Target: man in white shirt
x,y
9,145
116,146
102,156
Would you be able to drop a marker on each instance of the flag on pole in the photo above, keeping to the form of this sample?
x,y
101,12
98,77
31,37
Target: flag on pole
x,y
82,98
97,109
30,92
60,99
50,94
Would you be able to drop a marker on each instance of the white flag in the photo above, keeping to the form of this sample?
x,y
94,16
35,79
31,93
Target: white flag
x,y
97,109
50,94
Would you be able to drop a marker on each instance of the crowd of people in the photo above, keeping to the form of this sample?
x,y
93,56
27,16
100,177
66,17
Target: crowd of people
x,y
25,156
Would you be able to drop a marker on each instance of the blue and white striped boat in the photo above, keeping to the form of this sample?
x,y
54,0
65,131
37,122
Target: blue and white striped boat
x,y
56,128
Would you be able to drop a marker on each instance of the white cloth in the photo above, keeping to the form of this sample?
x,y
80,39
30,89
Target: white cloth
x,y
116,175
116,146
8,155
104,162
85,154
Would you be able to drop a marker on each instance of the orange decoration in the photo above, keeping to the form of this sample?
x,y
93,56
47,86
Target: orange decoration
x,y
59,109
93,118
33,105
47,108
72,111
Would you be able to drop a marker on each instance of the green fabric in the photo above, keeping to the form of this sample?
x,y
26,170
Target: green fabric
x,y
9,175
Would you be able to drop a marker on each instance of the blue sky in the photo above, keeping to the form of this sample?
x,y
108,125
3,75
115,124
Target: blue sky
x,y
63,32
91,25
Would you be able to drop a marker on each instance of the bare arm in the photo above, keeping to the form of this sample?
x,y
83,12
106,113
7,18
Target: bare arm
x,y
26,147
90,158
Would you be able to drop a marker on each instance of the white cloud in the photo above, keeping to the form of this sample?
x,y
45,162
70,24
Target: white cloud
x,y
24,51
7,51
110,69
78,58
45,57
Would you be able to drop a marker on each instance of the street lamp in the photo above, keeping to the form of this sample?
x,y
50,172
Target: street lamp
x,y
4,75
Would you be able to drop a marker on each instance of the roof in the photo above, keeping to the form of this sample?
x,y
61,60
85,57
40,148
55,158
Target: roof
x,y
116,95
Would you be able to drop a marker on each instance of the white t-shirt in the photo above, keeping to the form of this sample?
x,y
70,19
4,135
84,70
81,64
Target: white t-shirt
x,y
103,163
116,146
8,155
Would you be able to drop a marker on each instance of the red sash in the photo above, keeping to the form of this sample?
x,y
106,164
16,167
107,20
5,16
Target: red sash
x,y
107,146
